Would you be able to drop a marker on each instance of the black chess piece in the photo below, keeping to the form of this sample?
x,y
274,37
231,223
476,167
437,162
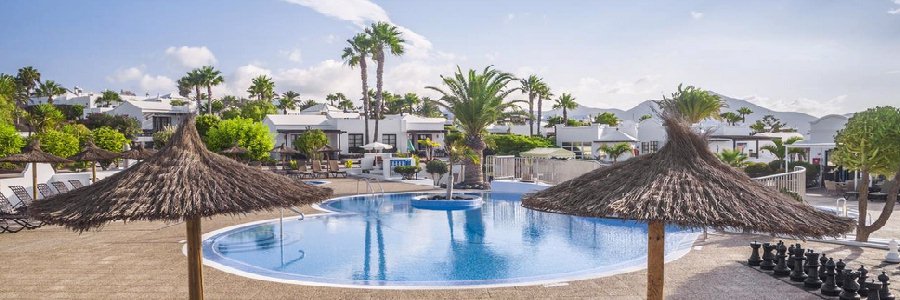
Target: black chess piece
x,y
768,259
806,262
797,274
829,288
812,280
781,267
839,272
754,259
822,268
873,287
850,286
863,288
885,292
790,259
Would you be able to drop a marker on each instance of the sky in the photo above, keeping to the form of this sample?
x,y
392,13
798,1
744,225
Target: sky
x,y
817,57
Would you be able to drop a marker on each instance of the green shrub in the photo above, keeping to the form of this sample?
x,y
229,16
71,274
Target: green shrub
x,y
10,142
59,143
407,171
310,141
109,139
79,131
758,169
252,135
161,138
513,144
128,126
436,168
205,122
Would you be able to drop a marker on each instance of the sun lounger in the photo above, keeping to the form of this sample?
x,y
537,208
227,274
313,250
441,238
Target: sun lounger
x,y
335,169
301,171
16,215
60,187
45,190
76,183
21,193
317,169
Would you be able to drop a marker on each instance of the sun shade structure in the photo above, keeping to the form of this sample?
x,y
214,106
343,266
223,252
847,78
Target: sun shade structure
x,y
686,185
91,153
183,182
34,155
138,153
377,146
234,150
558,153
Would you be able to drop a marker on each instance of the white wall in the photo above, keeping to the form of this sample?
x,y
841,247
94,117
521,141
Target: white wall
x,y
46,174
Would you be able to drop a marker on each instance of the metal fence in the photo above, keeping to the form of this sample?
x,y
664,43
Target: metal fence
x,y
550,171
794,181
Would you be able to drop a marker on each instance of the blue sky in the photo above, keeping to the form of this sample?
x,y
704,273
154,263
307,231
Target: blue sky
x,y
817,57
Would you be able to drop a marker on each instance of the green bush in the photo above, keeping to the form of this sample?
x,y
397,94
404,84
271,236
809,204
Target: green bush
x,y
407,171
310,141
513,144
205,122
257,110
79,131
128,126
109,139
10,142
252,135
59,143
436,167
72,112
758,169
43,117
161,138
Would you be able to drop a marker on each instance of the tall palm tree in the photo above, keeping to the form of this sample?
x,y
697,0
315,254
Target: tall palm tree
x,y
50,89
779,145
615,151
287,101
543,93
335,97
262,87
411,100
743,112
730,117
28,77
108,97
192,80
346,105
733,157
531,86
565,102
383,35
356,55
477,100
693,104
307,104
209,76
429,108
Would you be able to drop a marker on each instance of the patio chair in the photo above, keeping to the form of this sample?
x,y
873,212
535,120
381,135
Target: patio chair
x,y
301,171
60,187
17,215
317,169
831,187
335,169
45,190
76,183
21,193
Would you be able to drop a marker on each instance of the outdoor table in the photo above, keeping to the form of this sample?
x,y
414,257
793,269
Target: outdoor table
x,y
878,196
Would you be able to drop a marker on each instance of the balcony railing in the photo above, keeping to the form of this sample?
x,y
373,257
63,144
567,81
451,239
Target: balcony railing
x,y
549,171
794,181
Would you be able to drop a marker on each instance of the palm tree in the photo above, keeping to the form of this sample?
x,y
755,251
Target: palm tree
x,y
28,77
543,93
615,150
532,87
287,101
411,100
477,100
429,108
50,89
339,97
607,118
108,97
262,87
730,117
307,104
565,102
693,104
210,77
355,55
383,35
192,80
733,157
779,146
346,105
743,112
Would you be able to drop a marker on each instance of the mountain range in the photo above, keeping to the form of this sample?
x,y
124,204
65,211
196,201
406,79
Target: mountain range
x,y
797,120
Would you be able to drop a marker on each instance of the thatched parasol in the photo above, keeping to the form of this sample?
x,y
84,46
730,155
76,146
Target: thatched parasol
x,y
328,150
91,153
234,150
283,151
34,155
138,153
686,185
183,182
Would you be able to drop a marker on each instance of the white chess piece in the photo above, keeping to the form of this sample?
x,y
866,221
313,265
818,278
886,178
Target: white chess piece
x,y
893,256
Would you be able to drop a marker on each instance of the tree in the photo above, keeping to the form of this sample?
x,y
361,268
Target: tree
x,y
257,110
288,101
693,104
733,157
209,77
8,94
310,141
162,137
607,118
79,131
128,126
307,104
779,145
252,135
43,117
262,88
383,35
458,150
730,117
58,143
770,123
543,93
10,140
109,139
429,108
743,112
230,101
614,151
411,100
437,168
28,77
356,55
193,79
531,86
645,118
205,122
565,102
108,98
513,144
50,89
477,100
393,104
870,145
339,97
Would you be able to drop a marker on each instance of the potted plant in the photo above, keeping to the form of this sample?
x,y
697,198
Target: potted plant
x,y
437,169
408,172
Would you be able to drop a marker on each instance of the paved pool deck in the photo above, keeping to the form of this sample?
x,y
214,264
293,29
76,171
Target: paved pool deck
x,y
144,260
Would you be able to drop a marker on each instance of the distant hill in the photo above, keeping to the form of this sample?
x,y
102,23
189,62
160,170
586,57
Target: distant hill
x,y
793,119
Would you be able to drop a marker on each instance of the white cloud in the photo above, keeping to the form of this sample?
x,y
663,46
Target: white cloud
x,y
135,78
127,74
605,93
159,84
696,15
896,10
191,57
814,107
294,55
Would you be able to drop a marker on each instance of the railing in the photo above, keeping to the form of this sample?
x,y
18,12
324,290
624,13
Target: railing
x,y
550,171
794,181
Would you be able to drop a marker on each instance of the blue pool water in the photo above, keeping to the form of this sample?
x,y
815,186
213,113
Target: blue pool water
x,y
389,243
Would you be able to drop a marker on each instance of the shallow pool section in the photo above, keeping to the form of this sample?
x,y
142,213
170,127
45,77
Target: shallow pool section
x,y
383,242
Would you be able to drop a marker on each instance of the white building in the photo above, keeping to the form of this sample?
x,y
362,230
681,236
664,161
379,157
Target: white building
x,y
820,142
345,130
154,115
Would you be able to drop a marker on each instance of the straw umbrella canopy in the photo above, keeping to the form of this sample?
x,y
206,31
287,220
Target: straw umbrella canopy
x,y
283,151
183,182
138,153
91,153
234,150
328,150
686,185
34,155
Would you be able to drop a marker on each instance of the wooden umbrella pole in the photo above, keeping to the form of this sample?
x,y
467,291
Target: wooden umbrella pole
x,y
656,235
93,172
34,190
195,256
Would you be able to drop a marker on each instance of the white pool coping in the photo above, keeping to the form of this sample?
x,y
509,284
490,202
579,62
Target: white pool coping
x,y
683,249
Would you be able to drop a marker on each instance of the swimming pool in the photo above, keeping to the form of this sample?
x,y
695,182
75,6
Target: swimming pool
x,y
383,242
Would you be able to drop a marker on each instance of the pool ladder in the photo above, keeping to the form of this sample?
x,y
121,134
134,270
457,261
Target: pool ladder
x,y
371,184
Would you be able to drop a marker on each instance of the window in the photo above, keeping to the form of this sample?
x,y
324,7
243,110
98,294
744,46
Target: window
x,y
160,123
355,140
654,146
390,139
582,149
645,147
